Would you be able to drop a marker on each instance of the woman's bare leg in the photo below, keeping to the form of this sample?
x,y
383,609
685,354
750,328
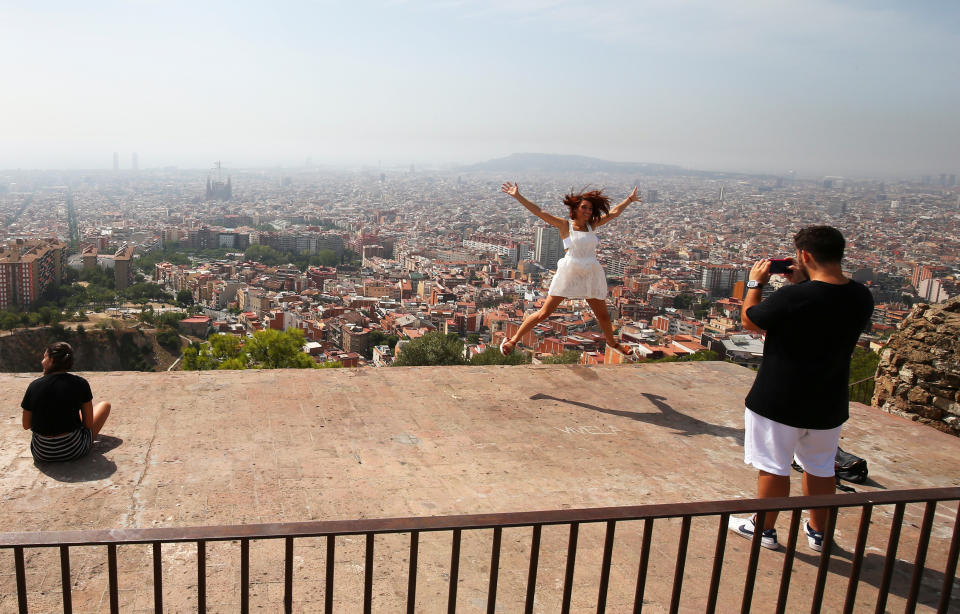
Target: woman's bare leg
x,y
599,307
532,320
100,412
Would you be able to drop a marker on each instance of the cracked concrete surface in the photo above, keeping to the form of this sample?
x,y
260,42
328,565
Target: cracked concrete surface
x,y
211,448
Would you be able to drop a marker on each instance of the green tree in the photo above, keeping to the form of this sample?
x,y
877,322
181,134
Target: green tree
x,y
167,338
145,291
702,355
147,315
434,348
226,347
473,339
184,298
492,356
683,301
273,349
568,357
195,359
236,363
264,254
326,257
863,364
98,277
9,320
171,319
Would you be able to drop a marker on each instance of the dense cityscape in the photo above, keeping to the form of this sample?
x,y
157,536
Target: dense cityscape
x,y
365,261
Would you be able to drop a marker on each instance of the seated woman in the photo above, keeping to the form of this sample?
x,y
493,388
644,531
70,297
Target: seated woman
x,y
59,409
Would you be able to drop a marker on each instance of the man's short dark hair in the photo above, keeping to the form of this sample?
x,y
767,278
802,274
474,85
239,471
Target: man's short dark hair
x,y
62,355
824,243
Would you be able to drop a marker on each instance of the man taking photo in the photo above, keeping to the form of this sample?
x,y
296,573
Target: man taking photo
x,y
799,399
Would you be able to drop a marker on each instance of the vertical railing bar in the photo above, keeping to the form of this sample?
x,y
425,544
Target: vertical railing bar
x,y
412,576
368,576
752,563
857,563
787,572
681,563
605,566
532,573
244,576
288,575
21,579
112,578
950,569
921,558
328,589
571,563
201,576
824,565
642,567
454,572
890,559
157,579
494,570
717,564
65,579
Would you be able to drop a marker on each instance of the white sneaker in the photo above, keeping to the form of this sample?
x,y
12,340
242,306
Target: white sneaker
x,y
744,527
814,538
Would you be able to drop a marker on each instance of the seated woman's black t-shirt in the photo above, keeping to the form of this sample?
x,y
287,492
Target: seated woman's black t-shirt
x,y
54,403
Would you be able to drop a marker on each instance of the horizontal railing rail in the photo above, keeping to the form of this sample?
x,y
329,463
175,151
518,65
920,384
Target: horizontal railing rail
x,y
370,528
861,391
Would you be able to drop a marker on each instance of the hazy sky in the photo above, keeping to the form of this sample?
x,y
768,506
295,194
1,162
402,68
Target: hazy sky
x,y
822,87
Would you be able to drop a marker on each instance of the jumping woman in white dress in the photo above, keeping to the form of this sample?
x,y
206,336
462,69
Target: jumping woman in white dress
x,y
579,273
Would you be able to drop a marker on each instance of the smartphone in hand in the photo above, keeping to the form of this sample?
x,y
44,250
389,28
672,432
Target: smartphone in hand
x,y
780,265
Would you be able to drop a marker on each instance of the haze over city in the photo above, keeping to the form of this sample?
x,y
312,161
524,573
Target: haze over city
x,y
818,87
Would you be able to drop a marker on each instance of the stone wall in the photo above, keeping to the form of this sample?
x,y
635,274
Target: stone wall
x,y
919,372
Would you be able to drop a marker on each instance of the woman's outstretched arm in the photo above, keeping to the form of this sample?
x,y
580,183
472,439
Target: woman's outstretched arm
x,y
619,208
513,189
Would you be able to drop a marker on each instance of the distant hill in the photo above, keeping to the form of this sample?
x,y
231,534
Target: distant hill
x,y
557,163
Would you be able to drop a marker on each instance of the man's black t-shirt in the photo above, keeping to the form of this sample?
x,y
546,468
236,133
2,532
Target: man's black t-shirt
x,y
54,403
811,328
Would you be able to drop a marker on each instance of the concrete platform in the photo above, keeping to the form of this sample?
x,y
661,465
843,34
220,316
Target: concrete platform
x,y
209,448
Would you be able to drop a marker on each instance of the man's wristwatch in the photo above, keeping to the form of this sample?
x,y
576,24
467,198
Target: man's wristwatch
x,y
753,283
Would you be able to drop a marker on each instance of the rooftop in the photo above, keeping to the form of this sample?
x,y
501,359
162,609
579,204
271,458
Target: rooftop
x,y
215,448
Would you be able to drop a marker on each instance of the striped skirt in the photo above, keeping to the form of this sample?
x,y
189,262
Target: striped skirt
x,y
63,448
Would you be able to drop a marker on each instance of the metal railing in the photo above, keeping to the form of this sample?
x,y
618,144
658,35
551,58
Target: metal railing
x,y
861,391
456,525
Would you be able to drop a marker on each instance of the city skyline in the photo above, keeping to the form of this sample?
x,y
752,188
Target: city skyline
x,y
821,88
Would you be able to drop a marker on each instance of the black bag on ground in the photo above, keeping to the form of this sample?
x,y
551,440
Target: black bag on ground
x,y
846,466
850,467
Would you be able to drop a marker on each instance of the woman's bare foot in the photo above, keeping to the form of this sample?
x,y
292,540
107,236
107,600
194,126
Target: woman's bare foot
x,y
506,347
623,348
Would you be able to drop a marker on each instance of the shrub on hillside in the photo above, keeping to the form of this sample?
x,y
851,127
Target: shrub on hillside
x,y
169,339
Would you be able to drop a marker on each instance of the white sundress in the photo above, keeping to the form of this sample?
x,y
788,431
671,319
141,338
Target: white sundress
x,y
579,273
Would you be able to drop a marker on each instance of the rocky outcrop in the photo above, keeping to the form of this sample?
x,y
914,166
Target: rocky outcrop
x,y
919,372
125,349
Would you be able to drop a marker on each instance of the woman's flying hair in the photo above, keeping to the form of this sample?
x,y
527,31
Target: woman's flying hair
x,y
600,202
62,355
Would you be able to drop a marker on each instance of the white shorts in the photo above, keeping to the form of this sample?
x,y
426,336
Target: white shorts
x,y
770,446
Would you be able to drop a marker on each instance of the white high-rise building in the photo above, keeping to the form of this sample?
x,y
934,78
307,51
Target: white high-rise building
x,y
548,248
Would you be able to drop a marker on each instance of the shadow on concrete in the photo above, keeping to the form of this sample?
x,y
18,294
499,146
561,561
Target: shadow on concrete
x,y
667,417
90,468
871,573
